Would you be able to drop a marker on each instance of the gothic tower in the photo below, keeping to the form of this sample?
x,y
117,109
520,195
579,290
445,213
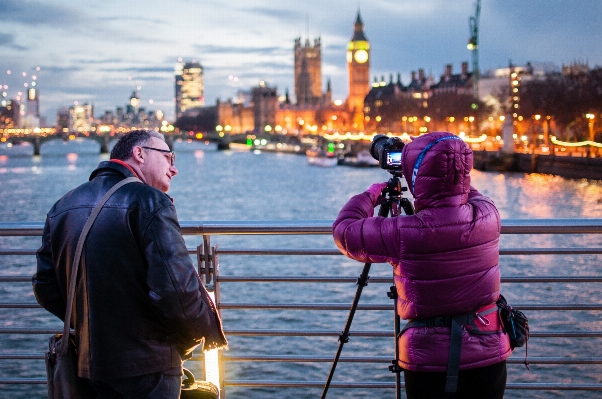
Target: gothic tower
x,y
308,72
358,63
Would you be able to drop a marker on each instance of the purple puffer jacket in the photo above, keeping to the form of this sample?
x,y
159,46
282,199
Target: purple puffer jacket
x,y
445,257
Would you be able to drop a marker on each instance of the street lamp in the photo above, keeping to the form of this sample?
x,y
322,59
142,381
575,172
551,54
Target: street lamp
x,y
590,124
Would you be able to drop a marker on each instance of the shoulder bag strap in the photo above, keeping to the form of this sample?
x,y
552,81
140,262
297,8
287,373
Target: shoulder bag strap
x,y
78,252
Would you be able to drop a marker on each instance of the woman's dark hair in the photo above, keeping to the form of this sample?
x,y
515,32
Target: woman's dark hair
x,y
123,148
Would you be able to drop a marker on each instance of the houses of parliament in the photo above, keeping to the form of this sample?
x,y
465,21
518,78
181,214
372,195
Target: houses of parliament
x,y
264,110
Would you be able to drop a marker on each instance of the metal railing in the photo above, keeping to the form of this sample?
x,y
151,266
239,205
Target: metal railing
x,y
247,353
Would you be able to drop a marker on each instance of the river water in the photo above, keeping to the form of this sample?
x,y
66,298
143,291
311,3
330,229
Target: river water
x,y
233,185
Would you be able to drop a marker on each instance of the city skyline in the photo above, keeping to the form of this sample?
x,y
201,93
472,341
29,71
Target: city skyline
x,y
99,53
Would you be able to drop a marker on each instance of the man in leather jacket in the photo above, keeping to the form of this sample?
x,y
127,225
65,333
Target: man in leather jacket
x,y
140,307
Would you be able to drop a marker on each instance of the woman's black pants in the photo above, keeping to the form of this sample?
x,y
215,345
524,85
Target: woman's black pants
x,y
481,383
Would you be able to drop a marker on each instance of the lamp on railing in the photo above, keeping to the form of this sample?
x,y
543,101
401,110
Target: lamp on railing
x,y
211,362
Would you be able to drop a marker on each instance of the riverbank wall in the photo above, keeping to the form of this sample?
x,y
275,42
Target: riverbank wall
x,y
565,166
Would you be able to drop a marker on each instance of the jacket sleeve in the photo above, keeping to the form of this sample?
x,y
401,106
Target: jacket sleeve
x,y
176,291
45,284
362,236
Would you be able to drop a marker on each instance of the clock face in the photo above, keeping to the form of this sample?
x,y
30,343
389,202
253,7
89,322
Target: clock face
x,y
361,56
349,57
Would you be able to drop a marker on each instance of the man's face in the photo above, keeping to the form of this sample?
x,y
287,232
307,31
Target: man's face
x,y
157,170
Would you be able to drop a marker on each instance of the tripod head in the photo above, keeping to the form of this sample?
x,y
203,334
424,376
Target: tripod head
x,y
394,200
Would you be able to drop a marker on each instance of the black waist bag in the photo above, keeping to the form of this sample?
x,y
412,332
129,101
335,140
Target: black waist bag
x,y
195,389
516,324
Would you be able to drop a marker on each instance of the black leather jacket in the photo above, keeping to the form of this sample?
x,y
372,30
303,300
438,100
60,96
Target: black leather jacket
x,y
139,305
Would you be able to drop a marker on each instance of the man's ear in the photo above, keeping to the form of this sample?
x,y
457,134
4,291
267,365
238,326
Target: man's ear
x,y
138,154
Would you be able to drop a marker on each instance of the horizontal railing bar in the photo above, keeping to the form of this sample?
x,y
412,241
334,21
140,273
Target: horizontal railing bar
x,y
343,359
324,333
390,385
387,359
555,387
327,251
18,251
336,306
48,331
375,333
328,279
309,251
389,280
22,356
23,381
346,306
318,227
345,385
15,279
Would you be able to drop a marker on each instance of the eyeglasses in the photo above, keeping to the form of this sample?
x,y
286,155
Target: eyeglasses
x,y
173,154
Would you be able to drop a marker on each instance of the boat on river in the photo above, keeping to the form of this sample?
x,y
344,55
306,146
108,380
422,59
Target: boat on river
x,y
321,158
362,159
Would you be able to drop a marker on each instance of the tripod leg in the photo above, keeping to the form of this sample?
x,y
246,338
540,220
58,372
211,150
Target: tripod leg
x,y
362,281
394,368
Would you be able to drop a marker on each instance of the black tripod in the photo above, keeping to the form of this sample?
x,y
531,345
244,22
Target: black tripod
x,y
393,203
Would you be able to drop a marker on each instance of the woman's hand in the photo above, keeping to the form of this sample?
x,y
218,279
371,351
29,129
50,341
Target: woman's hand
x,y
376,193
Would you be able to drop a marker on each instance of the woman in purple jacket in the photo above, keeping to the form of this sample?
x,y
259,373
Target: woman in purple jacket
x,y
445,262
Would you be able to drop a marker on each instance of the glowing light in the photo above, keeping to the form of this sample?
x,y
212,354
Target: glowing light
x,y
475,140
211,361
72,157
579,144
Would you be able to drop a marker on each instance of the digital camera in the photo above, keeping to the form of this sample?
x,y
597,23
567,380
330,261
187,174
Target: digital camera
x,y
387,151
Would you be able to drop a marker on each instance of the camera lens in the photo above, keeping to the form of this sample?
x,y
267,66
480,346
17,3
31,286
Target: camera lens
x,y
377,145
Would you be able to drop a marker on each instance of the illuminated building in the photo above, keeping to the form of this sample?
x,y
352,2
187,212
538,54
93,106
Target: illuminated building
x,y
308,72
31,119
190,87
9,114
265,106
82,117
358,63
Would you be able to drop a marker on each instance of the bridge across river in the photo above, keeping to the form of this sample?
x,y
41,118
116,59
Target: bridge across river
x,y
39,136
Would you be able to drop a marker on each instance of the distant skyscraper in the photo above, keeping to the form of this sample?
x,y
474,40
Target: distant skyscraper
x,y
358,62
308,72
190,88
33,103
31,118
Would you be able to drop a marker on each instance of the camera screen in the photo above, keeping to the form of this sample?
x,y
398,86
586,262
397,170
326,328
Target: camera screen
x,y
394,158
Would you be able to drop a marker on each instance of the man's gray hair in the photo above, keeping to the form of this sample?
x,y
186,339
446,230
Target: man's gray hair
x,y
123,148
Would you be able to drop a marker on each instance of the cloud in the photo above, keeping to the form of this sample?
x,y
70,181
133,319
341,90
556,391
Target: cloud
x,y
217,50
8,40
35,13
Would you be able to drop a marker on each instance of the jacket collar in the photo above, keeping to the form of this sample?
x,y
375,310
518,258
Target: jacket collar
x,y
114,166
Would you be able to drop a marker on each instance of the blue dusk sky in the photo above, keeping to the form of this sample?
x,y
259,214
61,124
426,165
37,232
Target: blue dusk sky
x,y
100,51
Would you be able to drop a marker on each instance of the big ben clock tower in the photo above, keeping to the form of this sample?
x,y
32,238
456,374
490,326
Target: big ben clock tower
x,y
358,62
